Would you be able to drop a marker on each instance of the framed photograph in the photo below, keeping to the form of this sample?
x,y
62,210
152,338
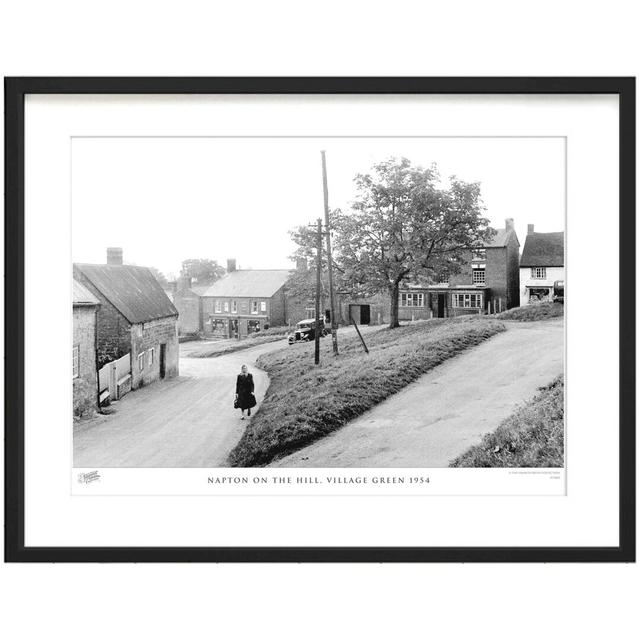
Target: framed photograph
x,y
320,319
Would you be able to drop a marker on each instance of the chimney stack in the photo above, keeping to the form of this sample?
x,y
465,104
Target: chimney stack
x,y
114,255
508,224
529,229
301,264
231,265
183,283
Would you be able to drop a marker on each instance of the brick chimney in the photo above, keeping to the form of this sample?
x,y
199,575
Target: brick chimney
x,y
231,265
114,255
508,224
183,283
301,264
529,229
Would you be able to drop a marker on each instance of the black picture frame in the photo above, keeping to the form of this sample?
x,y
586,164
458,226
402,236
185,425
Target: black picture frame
x,y
15,91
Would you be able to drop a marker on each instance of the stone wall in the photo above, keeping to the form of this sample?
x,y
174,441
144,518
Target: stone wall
x,y
85,386
146,340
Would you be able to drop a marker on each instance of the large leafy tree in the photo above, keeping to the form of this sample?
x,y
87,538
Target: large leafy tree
x,y
202,270
404,225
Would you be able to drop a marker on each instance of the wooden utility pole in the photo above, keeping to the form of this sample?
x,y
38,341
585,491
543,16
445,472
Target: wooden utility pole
x,y
327,229
318,288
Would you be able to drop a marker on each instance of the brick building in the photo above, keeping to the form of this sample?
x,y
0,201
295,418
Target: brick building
x,y
488,279
135,316
83,352
541,265
244,301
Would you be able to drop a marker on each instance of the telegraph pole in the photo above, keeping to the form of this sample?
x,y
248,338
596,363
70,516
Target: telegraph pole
x,y
327,228
318,288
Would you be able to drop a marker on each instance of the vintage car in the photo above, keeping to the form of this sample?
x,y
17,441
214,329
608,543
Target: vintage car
x,y
558,291
306,330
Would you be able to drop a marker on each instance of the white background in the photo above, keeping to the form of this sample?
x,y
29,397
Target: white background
x,y
372,38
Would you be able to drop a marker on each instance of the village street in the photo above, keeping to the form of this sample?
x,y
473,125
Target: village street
x,y
187,421
450,408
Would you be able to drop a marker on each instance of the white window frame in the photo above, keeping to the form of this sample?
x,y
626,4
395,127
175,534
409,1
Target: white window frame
x,y
150,357
226,306
412,300
539,273
141,362
263,306
218,306
254,307
75,356
482,276
467,299
234,306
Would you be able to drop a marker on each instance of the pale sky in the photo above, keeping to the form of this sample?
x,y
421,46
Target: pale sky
x,y
164,200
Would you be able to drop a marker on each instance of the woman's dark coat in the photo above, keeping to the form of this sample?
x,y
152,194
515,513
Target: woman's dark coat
x,y
244,389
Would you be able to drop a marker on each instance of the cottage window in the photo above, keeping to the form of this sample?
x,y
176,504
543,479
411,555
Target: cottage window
x,y
444,278
75,354
467,300
218,306
234,306
412,299
478,276
150,356
263,306
226,307
141,362
254,306
539,273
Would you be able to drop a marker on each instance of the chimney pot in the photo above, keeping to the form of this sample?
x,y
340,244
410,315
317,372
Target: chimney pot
x,y
114,255
231,265
529,229
508,224
183,283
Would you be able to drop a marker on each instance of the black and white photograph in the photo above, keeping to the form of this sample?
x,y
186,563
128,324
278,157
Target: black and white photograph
x,y
323,302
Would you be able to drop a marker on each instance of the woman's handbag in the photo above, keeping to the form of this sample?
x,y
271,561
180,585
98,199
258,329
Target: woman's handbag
x,y
235,403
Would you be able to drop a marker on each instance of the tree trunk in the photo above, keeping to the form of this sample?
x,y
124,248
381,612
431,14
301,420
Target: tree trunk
x,y
394,291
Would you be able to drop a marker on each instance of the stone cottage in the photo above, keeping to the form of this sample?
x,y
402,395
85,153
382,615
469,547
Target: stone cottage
x,y
83,352
541,265
135,317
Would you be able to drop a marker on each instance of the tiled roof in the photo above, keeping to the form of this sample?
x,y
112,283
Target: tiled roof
x,y
501,238
82,296
543,250
133,291
248,283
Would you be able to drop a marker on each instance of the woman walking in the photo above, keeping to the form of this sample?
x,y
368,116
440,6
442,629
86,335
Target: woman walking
x,y
244,392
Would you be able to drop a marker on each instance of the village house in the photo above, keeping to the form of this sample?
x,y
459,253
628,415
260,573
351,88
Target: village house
x,y
487,282
244,301
186,300
83,353
135,318
541,265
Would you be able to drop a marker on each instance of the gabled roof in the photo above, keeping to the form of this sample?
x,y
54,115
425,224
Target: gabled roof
x,y
249,283
501,238
82,297
543,250
133,291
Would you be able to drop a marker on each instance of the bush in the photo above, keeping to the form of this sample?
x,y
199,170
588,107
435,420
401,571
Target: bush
x,y
532,437
306,402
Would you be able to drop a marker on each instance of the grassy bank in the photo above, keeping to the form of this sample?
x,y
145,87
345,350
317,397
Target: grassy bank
x,y
533,312
305,402
532,437
230,346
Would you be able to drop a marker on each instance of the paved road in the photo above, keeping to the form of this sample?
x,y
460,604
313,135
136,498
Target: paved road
x,y
450,408
187,421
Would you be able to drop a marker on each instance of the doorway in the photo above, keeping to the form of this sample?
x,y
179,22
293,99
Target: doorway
x,y
163,360
365,314
442,304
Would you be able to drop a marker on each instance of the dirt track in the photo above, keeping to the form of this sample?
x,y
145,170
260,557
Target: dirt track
x,y
449,409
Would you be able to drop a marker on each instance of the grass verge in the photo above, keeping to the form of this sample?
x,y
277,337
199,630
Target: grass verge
x,y
305,402
230,346
532,437
533,312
